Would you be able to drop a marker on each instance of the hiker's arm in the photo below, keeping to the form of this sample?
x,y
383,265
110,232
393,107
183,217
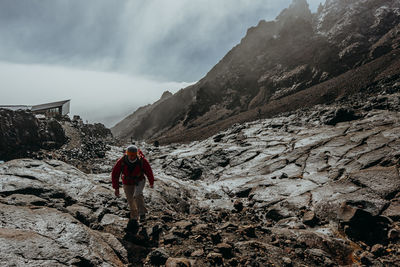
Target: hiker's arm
x,y
116,172
149,172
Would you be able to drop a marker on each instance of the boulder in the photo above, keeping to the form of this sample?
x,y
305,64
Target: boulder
x,y
340,115
229,227
56,236
378,250
180,262
197,253
216,237
117,246
361,225
248,230
394,234
225,249
215,258
186,225
114,224
158,257
384,181
200,228
170,238
309,218
238,205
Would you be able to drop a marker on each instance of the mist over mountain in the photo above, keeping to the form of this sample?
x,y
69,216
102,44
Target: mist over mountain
x,y
54,49
297,60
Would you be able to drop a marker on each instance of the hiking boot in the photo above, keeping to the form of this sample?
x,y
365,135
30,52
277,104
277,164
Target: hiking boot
x,y
132,226
142,218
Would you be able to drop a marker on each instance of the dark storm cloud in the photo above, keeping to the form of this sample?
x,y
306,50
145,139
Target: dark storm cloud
x,y
172,40
58,31
191,36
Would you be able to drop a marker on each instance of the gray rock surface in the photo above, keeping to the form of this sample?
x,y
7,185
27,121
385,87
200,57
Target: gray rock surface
x,y
46,211
268,188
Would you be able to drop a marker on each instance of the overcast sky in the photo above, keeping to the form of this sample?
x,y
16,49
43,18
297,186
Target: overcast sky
x,y
110,57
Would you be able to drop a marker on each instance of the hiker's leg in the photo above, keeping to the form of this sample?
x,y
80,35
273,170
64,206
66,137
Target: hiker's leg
x,y
138,196
129,193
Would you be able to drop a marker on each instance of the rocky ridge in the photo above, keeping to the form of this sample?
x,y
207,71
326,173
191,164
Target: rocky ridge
x,y
87,145
312,187
274,61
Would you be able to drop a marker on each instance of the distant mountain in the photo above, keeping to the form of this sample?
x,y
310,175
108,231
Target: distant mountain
x,y
147,121
298,60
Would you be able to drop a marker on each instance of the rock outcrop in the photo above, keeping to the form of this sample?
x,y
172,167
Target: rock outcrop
x,y
274,61
21,134
87,145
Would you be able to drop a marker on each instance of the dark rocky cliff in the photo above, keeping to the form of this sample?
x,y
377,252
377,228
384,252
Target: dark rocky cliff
x,y
275,59
21,134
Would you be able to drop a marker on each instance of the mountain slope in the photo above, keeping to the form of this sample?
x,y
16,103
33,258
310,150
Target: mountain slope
x,y
277,59
148,120
360,79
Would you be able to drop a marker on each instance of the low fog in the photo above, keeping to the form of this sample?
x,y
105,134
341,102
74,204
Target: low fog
x,y
110,57
95,96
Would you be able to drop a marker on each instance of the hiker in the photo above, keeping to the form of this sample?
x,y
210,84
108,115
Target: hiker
x,y
133,166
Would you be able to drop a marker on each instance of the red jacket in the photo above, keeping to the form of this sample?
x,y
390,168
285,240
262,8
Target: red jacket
x,y
122,168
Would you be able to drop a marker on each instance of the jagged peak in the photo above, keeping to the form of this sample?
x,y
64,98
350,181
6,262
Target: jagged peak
x,y
320,8
166,94
297,9
267,29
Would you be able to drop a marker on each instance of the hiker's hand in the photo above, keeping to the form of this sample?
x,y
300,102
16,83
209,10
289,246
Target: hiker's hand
x,y
116,192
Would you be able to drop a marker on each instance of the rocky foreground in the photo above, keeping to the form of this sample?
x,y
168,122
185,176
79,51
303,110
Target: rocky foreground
x,y
316,187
